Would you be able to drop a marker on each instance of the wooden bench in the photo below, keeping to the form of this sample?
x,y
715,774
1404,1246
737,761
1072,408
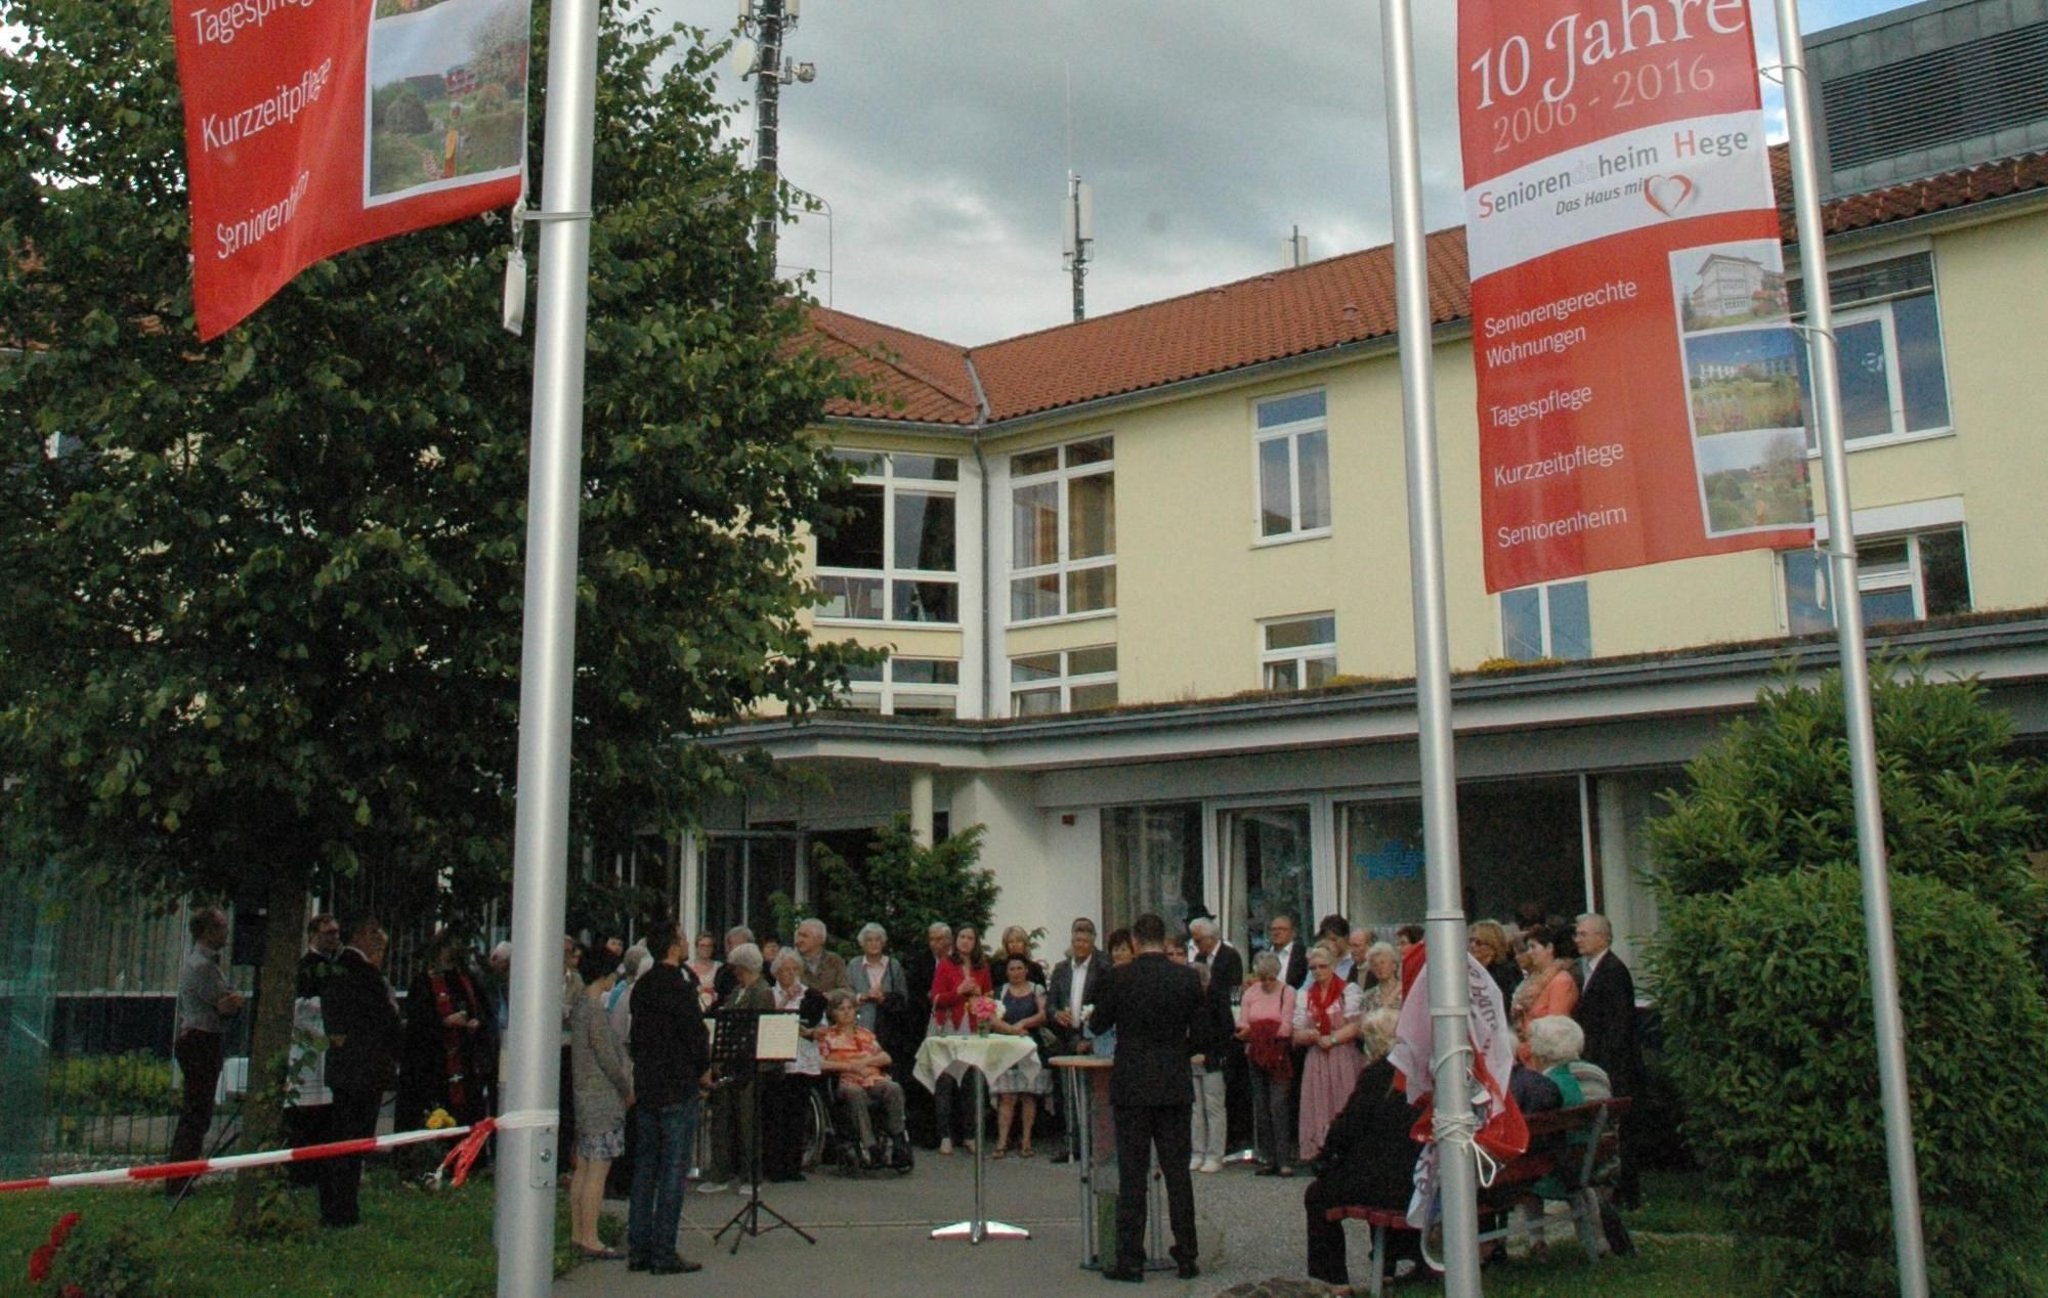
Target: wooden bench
x,y
1579,1146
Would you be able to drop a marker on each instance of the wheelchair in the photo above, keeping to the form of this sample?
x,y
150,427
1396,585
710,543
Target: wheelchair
x,y
839,1139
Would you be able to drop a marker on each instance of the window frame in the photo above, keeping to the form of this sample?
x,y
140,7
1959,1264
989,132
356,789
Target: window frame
x,y
1299,657
1880,308
890,574
1291,432
1065,683
1062,476
885,689
1545,627
1912,577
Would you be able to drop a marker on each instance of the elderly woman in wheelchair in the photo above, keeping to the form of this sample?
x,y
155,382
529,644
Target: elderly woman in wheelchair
x,y
857,1068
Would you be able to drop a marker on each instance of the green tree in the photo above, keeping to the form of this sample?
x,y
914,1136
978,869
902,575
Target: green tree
x,y
903,886
1763,985
261,619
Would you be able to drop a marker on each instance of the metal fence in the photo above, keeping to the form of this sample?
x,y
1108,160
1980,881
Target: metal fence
x,y
88,986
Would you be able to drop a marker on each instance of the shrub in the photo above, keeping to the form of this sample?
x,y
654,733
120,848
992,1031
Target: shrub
x,y
1773,796
1765,996
104,1263
137,1083
1762,972
902,886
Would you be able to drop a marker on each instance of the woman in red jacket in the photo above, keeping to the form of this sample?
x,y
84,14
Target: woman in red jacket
x,y
959,978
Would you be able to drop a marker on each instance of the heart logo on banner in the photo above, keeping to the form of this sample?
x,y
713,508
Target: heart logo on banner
x,y
1669,194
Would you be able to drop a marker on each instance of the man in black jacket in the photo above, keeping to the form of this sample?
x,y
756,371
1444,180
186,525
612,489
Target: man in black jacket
x,y
1607,1012
671,1065
363,1036
1154,1005
1074,981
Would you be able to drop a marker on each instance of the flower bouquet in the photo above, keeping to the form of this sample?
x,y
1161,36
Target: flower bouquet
x,y
984,1012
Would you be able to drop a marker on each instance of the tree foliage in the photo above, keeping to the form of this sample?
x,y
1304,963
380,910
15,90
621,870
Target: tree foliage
x,y
1762,976
903,886
1773,797
262,617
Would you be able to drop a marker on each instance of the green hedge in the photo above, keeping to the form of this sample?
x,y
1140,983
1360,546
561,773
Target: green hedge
x,y
1766,1001
137,1084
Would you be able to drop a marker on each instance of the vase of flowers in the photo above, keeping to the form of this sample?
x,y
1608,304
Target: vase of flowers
x,y
983,1012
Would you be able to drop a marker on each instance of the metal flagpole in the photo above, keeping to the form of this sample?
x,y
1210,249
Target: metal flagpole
x,y
527,1157
1870,848
1450,1008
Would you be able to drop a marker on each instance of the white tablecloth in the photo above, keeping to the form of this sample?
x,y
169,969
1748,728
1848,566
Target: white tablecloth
x,y
991,1056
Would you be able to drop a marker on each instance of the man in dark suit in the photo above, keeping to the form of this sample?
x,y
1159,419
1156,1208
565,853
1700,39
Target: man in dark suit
x,y
1074,980
1153,1004
1083,964
1607,1013
363,1038
1226,976
1293,956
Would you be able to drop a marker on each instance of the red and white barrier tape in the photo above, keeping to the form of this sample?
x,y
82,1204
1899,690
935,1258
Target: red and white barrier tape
x,y
462,1156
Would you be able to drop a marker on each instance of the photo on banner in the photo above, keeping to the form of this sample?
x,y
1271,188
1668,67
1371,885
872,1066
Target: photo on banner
x,y
447,95
1638,377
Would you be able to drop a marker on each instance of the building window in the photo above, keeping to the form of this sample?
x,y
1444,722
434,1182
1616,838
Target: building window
x,y
1063,530
905,687
1298,652
1553,621
1888,339
1070,680
1294,465
891,556
1901,579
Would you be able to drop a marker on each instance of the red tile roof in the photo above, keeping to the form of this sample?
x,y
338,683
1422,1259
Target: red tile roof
x,y
915,378
1269,317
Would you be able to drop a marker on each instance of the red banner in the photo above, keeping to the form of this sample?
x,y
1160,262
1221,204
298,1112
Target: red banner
x,y
314,126
1639,384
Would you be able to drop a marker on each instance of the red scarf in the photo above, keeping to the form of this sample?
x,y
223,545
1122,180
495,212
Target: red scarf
x,y
1320,1003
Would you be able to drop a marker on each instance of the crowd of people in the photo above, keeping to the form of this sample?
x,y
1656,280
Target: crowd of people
x,y
1287,1056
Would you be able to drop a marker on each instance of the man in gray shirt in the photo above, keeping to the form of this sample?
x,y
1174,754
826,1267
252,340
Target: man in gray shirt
x,y
205,1003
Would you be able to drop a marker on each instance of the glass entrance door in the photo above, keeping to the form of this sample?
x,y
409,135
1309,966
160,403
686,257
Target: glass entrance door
x,y
1269,869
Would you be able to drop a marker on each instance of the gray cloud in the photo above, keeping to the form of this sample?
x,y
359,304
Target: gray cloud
x,y
938,131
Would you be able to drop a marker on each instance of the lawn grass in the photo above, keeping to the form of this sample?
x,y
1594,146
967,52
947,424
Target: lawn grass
x,y
411,1242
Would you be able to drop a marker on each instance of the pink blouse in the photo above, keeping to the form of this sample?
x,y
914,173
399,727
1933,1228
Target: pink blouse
x,y
1259,1003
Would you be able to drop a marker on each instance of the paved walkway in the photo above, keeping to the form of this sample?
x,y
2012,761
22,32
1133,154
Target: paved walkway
x,y
873,1233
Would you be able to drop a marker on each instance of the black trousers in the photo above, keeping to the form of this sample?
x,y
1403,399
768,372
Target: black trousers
x,y
1326,1238
199,1055
307,1124
354,1117
1141,1129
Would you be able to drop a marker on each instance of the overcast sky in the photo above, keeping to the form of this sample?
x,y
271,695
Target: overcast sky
x,y
938,130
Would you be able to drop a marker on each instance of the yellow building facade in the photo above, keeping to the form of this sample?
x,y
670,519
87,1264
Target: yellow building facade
x,y
1145,584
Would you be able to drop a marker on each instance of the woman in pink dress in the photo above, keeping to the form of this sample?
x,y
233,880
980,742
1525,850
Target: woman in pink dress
x,y
1326,1018
1549,988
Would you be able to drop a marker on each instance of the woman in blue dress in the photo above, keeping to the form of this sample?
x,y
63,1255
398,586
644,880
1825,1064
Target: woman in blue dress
x,y
1023,1003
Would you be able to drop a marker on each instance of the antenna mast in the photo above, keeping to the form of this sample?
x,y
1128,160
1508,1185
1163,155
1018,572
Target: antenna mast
x,y
1079,240
765,63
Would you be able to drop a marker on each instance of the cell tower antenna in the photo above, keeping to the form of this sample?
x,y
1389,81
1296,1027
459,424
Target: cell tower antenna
x,y
764,24
1079,242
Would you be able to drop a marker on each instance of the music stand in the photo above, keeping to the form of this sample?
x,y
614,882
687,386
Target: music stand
x,y
739,1045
